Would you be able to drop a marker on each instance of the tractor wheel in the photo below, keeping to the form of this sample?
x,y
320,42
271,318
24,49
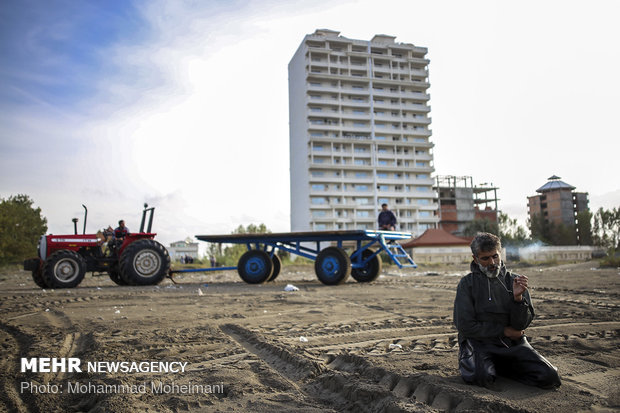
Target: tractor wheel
x,y
144,262
255,267
277,266
37,277
115,275
370,271
63,269
332,266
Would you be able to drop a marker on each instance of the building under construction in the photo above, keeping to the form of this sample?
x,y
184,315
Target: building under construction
x,y
460,202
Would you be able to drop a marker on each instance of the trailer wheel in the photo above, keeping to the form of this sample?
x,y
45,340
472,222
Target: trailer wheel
x,y
64,269
255,267
144,262
277,266
332,266
370,271
115,275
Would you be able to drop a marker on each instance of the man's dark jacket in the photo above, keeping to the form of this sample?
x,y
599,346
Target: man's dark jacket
x,y
483,306
386,218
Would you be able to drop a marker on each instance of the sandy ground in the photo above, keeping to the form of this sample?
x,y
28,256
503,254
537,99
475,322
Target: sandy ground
x,y
386,346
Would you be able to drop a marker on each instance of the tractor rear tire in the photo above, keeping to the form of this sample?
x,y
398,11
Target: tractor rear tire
x,y
63,269
332,266
277,266
144,262
115,275
37,277
255,267
370,271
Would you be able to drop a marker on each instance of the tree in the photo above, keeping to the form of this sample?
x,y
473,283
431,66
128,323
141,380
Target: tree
x,y
21,226
540,228
606,228
551,233
481,225
584,227
510,231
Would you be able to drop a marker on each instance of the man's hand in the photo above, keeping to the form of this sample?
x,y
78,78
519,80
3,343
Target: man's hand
x,y
512,333
519,286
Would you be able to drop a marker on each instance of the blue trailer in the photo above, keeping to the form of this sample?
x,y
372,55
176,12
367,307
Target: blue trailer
x,y
332,263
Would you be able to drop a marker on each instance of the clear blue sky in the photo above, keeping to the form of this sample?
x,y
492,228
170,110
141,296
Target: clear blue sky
x,y
184,104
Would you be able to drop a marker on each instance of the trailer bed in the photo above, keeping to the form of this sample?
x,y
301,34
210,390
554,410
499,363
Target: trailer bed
x,y
333,264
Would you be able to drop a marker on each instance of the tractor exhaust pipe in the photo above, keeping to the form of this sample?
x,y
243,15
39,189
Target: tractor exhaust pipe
x,y
85,215
75,221
147,209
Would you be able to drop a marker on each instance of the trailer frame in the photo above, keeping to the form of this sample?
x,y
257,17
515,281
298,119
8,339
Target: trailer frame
x,y
332,264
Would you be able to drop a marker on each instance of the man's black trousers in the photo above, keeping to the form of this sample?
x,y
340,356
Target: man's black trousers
x,y
481,361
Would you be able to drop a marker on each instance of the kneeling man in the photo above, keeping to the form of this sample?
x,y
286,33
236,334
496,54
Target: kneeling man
x,y
492,309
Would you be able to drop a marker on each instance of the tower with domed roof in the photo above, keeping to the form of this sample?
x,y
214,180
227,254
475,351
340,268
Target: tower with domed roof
x,y
557,203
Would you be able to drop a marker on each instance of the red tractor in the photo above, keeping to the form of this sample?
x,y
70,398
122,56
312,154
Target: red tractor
x,y
135,260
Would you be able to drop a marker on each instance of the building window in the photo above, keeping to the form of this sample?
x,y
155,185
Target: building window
x,y
318,200
318,187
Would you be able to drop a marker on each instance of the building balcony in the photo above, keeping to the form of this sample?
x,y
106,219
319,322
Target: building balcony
x,y
330,89
322,101
356,116
418,60
420,120
324,127
423,157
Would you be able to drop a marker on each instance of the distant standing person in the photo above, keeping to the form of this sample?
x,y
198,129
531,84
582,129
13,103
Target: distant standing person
x,y
387,219
122,231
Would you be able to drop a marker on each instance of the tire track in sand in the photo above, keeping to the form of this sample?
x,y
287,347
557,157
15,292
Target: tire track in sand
x,y
17,343
348,382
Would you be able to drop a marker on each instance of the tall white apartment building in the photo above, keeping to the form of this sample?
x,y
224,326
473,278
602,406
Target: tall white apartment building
x,y
359,134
